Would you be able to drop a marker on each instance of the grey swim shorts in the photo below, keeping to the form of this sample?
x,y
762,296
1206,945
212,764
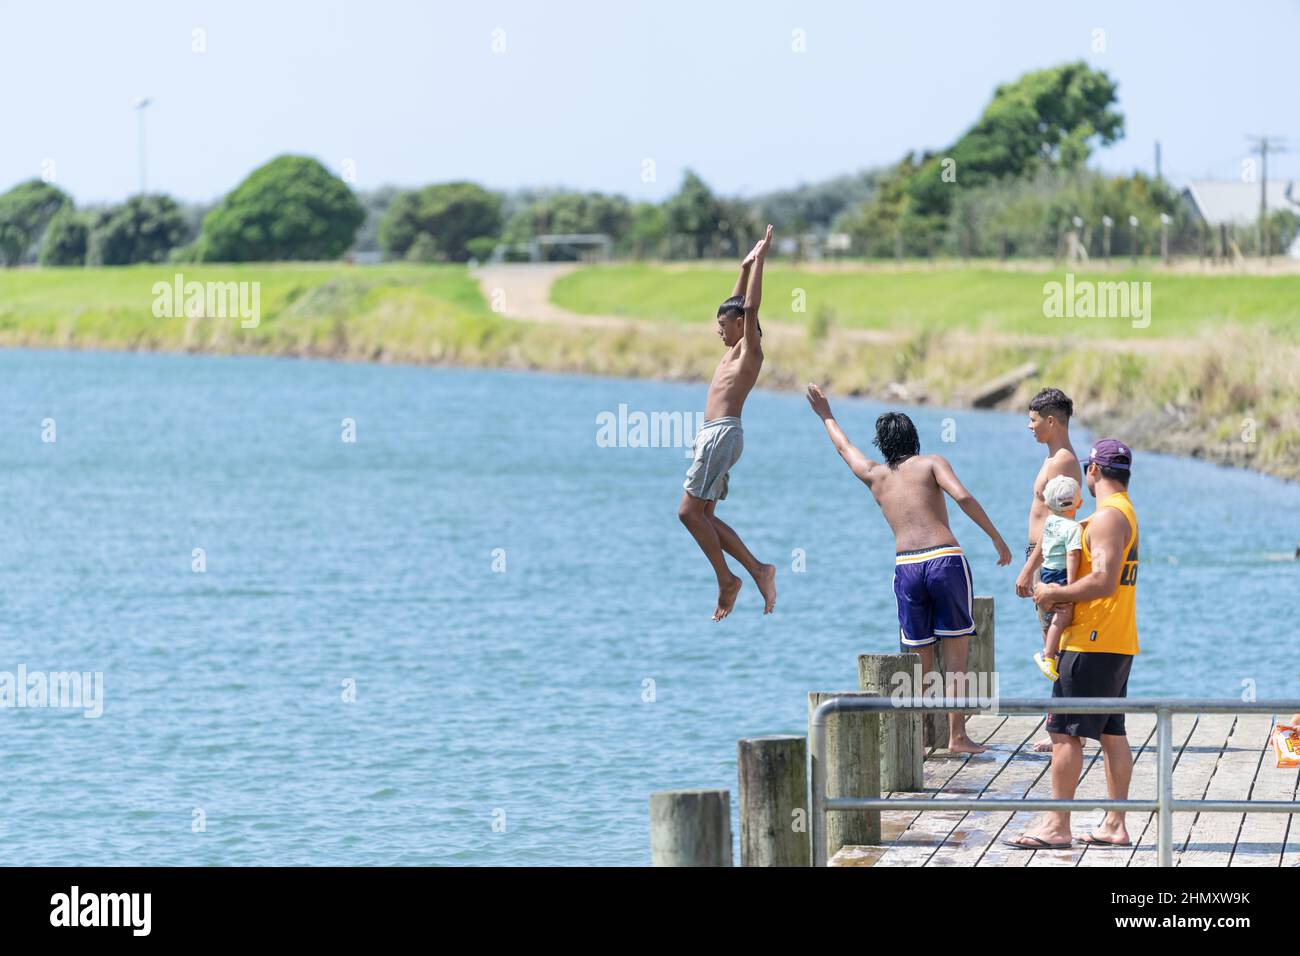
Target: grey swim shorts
x,y
718,445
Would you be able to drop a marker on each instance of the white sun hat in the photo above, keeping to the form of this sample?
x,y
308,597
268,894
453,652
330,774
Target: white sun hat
x,y
1061,493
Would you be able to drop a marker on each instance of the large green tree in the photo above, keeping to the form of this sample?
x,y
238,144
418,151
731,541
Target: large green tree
x,y
289,208
142,229
25,211
456,220
1045,118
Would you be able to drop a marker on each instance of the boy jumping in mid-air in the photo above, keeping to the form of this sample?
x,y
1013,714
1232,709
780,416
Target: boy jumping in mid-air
x,y
720,439
932,582
1061,548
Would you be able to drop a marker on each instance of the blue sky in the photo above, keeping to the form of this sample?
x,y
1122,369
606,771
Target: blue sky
x,y
584,92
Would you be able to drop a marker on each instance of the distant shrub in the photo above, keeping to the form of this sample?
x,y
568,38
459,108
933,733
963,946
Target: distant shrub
x,y
65,239
25,211
451,215
142,229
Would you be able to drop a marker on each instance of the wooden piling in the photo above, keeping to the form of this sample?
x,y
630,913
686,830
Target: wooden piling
x,y
773,801
901,749
852,755
979,663
690,828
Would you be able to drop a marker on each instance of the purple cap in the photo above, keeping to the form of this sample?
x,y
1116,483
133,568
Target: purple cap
x,y
1110,453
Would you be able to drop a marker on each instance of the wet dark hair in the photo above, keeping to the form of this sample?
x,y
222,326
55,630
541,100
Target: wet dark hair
x,y
1054,402
734,308
736,304
1118,475
896,438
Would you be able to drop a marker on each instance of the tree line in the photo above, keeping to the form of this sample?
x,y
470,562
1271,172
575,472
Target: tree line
x,y
1016,183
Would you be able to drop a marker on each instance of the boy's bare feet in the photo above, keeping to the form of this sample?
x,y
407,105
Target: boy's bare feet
x,y
765,578
727,597
964,745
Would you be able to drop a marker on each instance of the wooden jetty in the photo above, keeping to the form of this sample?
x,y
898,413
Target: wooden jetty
x,y
870,752
1217,757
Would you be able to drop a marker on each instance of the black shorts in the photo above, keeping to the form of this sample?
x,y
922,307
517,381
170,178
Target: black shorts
x,y
1090,675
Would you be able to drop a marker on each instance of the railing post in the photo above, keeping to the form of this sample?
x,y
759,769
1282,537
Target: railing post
x,y
851,762
817,762
1165,783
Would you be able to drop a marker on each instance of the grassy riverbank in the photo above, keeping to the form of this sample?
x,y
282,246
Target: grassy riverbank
x,y
1222,383
972,300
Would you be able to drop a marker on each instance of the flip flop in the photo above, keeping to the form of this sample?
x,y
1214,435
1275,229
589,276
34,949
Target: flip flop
x,y
1038,844
1093,840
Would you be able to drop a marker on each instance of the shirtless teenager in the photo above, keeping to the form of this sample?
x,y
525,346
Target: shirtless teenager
x,y
720,439
1049,422
932,581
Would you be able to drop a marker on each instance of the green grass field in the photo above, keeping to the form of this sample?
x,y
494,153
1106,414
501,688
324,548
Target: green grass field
x,y
968,299
399,311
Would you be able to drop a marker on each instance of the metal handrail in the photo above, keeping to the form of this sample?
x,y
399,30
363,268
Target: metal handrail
x,y
1165,805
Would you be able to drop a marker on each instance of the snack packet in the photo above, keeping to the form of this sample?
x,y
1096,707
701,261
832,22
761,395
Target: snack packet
x,y
1286,741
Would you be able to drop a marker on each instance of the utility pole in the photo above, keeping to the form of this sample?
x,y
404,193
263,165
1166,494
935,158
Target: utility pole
x,y
1265,145
139,107
1158,176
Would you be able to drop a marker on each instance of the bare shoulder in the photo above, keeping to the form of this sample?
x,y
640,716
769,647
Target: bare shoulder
x,y
874,473
1063,462
1106,521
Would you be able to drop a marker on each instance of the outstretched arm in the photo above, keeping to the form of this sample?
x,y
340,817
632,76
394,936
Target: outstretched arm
x,y
950,483
754,293
743,281
860,464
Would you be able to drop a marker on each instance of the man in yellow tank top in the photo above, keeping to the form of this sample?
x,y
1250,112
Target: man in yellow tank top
x,y
1097,651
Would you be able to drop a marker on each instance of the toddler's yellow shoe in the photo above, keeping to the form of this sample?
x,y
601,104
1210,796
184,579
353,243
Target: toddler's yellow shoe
x,y
1047,665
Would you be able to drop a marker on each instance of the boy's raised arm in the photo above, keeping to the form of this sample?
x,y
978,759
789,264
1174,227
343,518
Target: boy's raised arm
x,y
754,293
859,463
743,280
949,482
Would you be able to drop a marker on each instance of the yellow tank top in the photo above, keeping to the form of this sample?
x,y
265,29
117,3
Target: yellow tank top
x,y
1108,625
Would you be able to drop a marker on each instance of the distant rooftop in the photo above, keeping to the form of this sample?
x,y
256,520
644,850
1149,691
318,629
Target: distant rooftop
x,y
1236,203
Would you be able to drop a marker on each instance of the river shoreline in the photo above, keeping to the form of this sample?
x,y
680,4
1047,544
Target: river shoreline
x,y
845,367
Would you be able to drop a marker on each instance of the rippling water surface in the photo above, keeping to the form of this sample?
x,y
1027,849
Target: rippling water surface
x,y
500,717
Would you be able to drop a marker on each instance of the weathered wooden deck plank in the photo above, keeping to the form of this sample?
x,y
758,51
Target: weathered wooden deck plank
x,y
1142,742
976,830
931,830
1216,757
939,769
1194,768
1214,835
1144,828
995,853
1263,835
